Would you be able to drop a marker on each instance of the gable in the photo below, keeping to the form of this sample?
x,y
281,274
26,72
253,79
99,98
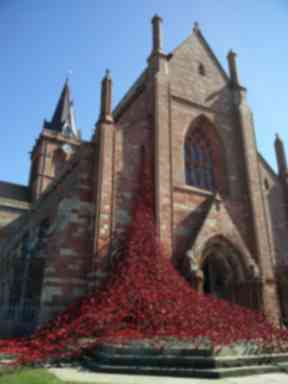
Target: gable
x,y
218,223
185,77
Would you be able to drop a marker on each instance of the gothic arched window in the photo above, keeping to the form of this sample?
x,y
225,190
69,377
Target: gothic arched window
x,y
199,161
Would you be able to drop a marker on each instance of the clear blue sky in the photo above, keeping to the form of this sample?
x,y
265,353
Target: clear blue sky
x,y
42,40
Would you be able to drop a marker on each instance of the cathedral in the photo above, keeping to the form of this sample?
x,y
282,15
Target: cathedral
x,y
221,211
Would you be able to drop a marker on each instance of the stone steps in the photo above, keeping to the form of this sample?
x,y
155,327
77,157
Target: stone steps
x,y
188,372
181,362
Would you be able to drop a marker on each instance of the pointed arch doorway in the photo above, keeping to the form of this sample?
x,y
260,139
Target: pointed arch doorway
x,y
223,271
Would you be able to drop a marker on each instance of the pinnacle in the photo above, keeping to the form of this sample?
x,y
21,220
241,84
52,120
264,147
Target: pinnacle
x,y
232,53
156,17
277,136
196,27
108,74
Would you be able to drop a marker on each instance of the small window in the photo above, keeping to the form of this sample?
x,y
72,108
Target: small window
x,y
266,184
201,69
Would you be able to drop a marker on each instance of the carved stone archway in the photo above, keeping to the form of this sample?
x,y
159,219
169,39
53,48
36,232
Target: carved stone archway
x,y
223,269
218,274
227,276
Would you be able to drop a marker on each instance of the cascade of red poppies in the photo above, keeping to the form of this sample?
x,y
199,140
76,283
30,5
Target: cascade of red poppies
x,y
144,298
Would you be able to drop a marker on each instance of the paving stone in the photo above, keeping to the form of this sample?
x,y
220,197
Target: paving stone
x,y
79,375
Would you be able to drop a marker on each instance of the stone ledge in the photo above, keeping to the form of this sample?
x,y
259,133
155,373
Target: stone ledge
x,y
194,190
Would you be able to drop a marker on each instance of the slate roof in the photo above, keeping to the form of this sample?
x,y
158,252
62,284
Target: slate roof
x,y
14,191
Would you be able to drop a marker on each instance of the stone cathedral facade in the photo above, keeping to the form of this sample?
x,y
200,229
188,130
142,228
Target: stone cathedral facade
x,y
221,211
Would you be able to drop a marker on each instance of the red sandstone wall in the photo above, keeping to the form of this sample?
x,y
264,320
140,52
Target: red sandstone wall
x,y
69,252
193,95
47,254
133,130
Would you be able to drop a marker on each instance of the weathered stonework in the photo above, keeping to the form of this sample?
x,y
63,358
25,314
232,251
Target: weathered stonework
x,y
58,235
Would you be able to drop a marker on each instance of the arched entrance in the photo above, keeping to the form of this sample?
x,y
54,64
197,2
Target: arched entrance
x,y
223,271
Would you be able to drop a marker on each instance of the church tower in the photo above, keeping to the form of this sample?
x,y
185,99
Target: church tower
x,y
57,142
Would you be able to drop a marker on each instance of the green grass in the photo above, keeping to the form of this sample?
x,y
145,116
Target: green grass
x,y
29,376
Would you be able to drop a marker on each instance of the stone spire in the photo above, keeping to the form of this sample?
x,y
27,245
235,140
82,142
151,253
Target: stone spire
x,y
63,120
156,34
280,155
106,99
233,68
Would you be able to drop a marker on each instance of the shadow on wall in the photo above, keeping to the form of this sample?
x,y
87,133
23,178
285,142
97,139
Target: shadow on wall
x,y
135,130
186,233
235,198
276,211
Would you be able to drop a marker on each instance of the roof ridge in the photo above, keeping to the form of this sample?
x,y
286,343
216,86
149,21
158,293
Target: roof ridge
x,y
130,93
267,165
209,50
